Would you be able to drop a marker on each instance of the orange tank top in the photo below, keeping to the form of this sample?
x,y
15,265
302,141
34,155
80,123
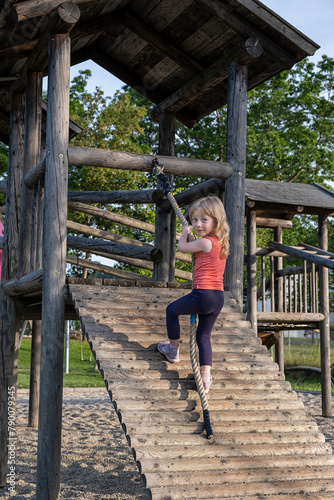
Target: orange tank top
x,y
209,268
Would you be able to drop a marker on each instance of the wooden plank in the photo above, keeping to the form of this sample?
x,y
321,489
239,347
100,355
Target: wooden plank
x,y
239,477
231,491
239,464
206,451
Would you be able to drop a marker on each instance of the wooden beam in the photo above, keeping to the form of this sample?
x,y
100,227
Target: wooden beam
x,y
187,196
244,27
98,25
262,12
61,21
201,83
120,273
111,248
19,51
31,282
8,15
106,62
303,254
82,228
162,44
105,214
107,197
286,318
37,173
144,163
271,222
119,238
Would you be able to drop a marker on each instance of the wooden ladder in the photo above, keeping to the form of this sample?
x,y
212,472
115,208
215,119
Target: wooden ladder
x,y
265,445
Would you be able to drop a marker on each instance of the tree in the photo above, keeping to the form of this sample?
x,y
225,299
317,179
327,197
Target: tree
x,y
290,125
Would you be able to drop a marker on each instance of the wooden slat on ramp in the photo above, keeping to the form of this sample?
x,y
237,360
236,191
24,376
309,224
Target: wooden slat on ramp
x,y
265,445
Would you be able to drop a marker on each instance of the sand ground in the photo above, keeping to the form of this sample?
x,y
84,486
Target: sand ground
x,y
96,461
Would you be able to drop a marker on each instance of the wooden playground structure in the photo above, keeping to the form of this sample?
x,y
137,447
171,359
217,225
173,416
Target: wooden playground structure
x,y
189,58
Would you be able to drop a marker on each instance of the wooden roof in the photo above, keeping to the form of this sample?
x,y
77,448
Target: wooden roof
x,y
174,52
283,200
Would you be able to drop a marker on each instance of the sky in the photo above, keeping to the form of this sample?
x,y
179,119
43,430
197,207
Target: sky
x,y
314,18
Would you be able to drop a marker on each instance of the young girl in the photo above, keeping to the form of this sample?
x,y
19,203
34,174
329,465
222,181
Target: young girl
x,y
208,219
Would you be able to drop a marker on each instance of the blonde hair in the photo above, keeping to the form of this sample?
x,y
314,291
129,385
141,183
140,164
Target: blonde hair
x,y
213,206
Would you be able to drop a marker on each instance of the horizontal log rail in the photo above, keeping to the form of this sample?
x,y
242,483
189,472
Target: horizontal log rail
x,y
111,247
106,197
121,160
28,283
82,228
187,196
179,273
288,317
95,266
100,233
35,174
112,216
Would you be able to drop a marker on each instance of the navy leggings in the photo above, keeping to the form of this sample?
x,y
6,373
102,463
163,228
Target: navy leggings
x,y
207,304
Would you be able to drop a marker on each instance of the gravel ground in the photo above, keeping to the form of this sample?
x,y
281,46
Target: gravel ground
x,y
96,460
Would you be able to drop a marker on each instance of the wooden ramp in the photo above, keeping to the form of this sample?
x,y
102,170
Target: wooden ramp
x,y
265,445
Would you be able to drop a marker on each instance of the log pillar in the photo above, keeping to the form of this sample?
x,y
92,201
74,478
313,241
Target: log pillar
x,y
54,267
28,224
32,146
324,325
251,269
165,222
279,345
235,184
35,370
9,335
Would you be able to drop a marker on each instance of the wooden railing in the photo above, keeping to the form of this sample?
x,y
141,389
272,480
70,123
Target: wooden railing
x,y
285,298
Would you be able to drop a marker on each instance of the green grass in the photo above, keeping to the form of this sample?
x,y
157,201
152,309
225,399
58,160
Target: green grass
x,y
302,352
80,374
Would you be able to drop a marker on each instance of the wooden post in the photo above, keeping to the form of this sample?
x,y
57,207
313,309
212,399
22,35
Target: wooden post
x,y
324,325
28,226
251,269
9,338
54,266
165,237
35,370
32,146
235,184
305,285
263,278
279,346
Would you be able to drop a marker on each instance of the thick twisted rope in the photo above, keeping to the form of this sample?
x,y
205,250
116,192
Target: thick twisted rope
x,y
193,323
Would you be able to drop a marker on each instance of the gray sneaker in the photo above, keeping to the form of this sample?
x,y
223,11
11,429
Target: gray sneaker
x,y
165,349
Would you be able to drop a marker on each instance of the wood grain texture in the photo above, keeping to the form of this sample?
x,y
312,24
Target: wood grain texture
x,y
264,440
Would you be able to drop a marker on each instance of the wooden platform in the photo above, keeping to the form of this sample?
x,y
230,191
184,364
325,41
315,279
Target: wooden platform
x,y
265,445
